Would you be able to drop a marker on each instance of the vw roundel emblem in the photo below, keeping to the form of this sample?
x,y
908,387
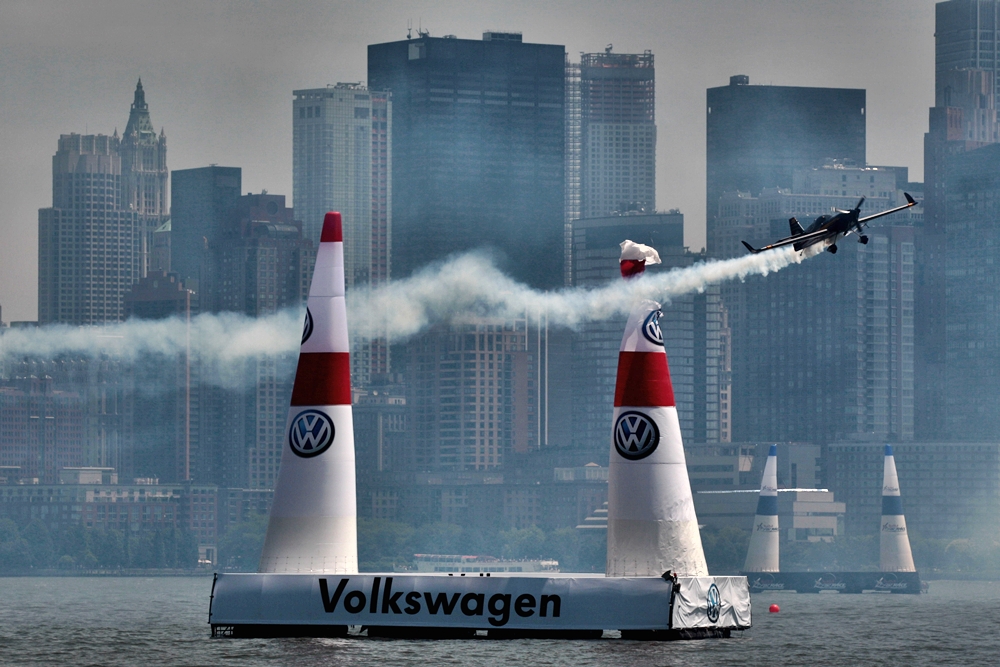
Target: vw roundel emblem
x,y
311,433
714,604
651,328
307,328
636,435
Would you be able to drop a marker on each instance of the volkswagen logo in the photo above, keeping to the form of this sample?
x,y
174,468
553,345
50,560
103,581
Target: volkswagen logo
x,y
714,604
307,328
651,328
636,435
311,433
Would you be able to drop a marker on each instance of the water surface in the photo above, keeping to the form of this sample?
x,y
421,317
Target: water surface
x,y
164,621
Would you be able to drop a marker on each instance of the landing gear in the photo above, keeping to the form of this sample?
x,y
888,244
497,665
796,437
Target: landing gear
x,y
863,240
832,249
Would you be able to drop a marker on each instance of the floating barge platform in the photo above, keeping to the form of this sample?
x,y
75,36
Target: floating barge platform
x,y
436,606
835,582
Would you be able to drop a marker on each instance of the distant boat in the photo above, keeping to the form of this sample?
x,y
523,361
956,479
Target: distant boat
x,y
478,564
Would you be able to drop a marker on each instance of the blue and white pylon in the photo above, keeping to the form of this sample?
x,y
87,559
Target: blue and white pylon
x,y
895,554
762,555
313,526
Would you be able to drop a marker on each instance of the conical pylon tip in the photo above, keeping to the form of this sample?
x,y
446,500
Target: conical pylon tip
x,y
333,229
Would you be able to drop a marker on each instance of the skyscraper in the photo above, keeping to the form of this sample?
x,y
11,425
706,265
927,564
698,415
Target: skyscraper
x,y
610,139
261,261
617,133
144,173
108,196
246,255
342,161
963,119
201,201
474,395
971,350
758,135
478,150
966,34
88,242
261,265
573,155
165,423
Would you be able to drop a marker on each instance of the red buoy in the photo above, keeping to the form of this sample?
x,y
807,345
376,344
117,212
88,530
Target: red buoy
x,y
774,609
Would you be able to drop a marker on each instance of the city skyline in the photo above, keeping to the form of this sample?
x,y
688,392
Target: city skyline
x,y
235,111
143,416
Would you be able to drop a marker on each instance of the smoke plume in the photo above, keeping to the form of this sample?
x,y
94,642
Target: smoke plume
x,y
464,287
470,286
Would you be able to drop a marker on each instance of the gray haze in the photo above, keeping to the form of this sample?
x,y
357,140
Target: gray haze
x,y
219,75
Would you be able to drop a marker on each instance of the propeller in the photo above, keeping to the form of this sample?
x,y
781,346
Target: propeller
x,y
856,212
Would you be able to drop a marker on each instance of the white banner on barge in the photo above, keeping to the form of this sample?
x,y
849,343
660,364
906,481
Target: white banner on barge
x,y
301,602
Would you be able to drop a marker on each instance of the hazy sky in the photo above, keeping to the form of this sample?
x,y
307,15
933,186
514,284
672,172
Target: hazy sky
x,y
219,76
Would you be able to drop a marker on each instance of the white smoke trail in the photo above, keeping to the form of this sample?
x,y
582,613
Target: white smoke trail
x,y
463,287
221,342
470,286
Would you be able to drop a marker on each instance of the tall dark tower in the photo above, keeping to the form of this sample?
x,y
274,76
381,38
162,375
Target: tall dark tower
x,y
478,150
144,173
962,120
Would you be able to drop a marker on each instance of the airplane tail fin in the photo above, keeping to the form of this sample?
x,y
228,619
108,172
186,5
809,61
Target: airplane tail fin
x,y
909,199
750,247
793,224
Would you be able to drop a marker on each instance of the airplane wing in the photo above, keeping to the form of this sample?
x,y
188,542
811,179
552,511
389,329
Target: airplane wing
x,y
909,202
812,236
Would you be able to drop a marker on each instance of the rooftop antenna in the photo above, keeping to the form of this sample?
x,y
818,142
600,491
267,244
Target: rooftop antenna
x,y
607,49
409,28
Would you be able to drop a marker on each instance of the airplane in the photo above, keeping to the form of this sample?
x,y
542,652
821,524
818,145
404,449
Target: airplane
x,y
830,228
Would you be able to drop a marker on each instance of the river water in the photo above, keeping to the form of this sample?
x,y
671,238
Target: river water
x,y
163,621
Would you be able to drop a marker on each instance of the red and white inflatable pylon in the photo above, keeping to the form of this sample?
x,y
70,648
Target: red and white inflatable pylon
x,y
313,525
652,527
635,257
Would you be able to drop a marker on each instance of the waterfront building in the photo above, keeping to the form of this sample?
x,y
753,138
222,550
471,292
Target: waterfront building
x,y
41,429
947,487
